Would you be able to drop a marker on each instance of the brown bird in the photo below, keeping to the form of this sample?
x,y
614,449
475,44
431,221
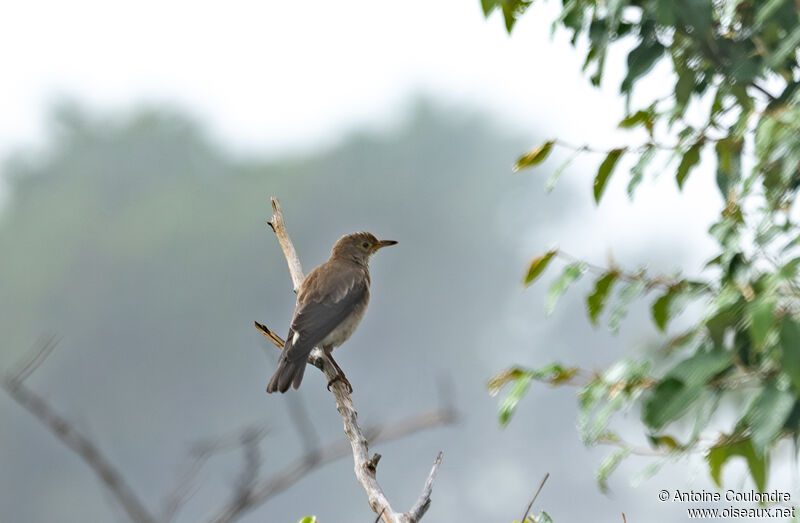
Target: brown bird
x,y
330,304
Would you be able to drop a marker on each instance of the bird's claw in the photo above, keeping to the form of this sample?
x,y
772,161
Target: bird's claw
x,y
341,377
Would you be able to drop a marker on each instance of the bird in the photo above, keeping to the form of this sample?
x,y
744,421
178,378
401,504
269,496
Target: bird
x,y
330,304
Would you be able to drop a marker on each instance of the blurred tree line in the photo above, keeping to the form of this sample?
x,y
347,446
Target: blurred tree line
x,y
143,245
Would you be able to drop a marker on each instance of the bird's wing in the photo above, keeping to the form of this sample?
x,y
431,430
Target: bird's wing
x,y
322,305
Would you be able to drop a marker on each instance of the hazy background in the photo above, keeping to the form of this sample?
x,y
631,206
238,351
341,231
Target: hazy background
x,y
140,145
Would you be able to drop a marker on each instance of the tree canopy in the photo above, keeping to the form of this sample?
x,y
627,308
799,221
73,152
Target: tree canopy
x,y
735,71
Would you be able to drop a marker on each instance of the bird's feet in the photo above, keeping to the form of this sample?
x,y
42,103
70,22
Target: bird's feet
x,y
341,377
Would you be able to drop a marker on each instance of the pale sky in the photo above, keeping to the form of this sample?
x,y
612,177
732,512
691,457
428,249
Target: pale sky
x,y
273,76
270,75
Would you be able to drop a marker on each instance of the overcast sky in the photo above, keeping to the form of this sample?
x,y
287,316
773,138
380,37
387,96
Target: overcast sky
x,y
270,77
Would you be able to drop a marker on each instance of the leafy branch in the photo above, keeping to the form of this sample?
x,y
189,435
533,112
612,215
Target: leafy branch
x,y
744,319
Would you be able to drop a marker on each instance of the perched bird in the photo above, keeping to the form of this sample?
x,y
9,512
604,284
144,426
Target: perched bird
x,y
330,304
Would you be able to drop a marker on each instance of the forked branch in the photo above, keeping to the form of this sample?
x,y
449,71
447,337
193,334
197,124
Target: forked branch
x,y
364,465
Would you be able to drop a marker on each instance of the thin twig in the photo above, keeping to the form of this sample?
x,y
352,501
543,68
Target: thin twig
x,y
180,494
533,499
763,91
279,228
649,282
62,429
424,501
28,366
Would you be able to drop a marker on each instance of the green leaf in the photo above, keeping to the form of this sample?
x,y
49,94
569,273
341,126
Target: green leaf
x,y
510,402
488,6
660,309
640,60
683,88
551,182
538,265
689,160
571,273
593,427
668,402
767,415
790,351
697,14
719,454
682,386
604,172
512,10
729,152
706,406
590,394
553,373
637,172
629,292
596,301
698,369
309,519
500,380
543,517
641,117
608,465
761,315
787,48
672,302
767,9
534,156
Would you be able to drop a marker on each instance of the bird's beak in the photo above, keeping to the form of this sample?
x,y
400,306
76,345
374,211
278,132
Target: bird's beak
x,y
384,243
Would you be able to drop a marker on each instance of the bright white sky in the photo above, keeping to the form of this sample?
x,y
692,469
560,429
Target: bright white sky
x,y
274,74
271,76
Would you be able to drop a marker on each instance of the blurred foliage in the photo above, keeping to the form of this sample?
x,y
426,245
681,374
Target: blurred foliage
x,y
739,59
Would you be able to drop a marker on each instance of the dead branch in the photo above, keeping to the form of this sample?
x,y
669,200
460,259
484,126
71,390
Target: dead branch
x,y
250,492
268,488
365,474
533,499
421,506
108,475
279,228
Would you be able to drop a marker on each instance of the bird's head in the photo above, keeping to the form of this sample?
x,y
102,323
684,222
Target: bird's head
x,y
359,246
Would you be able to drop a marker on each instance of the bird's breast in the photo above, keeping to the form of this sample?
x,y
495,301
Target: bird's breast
x,y
347,327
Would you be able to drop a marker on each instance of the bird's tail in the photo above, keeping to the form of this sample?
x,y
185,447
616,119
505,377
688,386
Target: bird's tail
x,y
289,372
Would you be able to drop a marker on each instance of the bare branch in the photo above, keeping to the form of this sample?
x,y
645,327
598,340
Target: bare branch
x,y
365,475
535,495
266,489
28,366
201,451
250,440
182,491
62,429
279,228
424,501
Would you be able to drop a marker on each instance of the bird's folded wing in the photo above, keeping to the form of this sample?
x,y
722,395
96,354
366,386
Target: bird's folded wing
x,y
321,309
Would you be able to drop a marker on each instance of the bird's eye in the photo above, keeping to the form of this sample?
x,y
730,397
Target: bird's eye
x,y
365,244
